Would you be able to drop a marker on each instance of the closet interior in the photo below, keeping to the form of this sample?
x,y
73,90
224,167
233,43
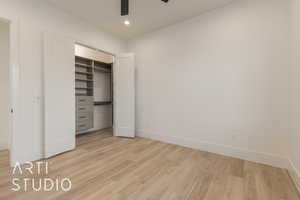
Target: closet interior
x,y
94,91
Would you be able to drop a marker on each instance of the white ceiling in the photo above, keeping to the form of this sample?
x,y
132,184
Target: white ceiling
x,y
145,15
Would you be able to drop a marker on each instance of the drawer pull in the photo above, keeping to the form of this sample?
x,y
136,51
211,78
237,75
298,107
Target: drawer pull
x,y
81,108
82,117
81,126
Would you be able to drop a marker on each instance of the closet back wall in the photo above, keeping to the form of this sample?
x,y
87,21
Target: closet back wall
x,y
35,17
218,82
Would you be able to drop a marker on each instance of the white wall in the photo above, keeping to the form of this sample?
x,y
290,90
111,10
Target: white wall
x,y
35,17
295,93
219,82
4,85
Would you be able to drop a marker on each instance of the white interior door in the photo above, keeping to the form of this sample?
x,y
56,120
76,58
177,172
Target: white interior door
x,y
59,94
124,95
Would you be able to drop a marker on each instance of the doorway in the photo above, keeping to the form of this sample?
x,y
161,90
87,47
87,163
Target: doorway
x,y
94,93
5,122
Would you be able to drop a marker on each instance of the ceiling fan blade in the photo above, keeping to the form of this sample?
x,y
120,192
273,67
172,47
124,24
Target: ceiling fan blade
x,y
124,7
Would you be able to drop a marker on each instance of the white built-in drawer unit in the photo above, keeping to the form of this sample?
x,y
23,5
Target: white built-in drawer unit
x,y
84,113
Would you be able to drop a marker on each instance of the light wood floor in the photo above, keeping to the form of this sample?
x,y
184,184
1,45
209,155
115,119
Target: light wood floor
x,y
105,167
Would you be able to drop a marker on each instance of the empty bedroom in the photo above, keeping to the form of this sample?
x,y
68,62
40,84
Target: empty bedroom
x,y
149,100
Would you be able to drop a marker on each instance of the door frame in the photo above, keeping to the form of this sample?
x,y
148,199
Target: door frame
x,y
14,79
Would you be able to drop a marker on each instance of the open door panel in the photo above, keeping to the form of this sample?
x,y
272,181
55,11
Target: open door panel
x,y
59,94
124,96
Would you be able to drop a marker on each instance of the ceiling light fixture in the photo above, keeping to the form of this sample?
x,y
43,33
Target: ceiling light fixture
x,y
127,22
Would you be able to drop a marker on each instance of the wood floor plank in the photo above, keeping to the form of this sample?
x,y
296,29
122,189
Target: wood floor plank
x,y
201,186
111,168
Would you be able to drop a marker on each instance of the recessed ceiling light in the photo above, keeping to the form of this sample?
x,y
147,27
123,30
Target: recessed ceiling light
x,y
127,22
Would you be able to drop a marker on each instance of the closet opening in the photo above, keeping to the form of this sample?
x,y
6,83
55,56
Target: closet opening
x,y
5,115
94,94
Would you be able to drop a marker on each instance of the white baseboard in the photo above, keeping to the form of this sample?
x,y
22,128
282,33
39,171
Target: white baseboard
x,y
244,154
295,175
